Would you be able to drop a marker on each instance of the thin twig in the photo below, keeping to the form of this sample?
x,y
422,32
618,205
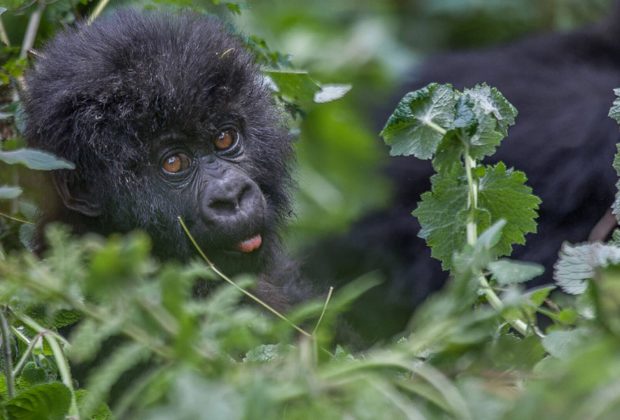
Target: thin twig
x,y
22,361
102,4
16,219
31,31
235,285
327,299
6,350
3,35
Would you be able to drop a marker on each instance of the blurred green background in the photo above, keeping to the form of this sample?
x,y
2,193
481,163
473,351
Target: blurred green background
x,y
372,45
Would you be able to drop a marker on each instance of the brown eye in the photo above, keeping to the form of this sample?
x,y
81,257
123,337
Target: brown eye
x,y
226,139
175,163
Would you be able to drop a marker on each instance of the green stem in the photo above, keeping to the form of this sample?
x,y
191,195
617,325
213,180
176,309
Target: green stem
x,y
472,237
329,296
436,127
32,29
6,350
100,6
472,199
22,361
65,373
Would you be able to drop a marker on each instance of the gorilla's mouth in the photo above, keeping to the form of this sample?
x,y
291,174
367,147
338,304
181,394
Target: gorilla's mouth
x,y
250,245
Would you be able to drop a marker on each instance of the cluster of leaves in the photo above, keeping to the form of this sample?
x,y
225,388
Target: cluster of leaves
x,y
154,351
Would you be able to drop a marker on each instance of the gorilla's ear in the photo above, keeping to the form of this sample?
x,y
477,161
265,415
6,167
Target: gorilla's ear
x,y
75,195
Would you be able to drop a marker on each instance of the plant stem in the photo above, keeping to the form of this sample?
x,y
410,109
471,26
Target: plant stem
x,y
3,35
472,199
15,219
235,285
472,237
22,361
65,372
100,6
33,28
329,296
6,350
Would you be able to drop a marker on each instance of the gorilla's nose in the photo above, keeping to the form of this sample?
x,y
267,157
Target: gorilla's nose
x,y
229,201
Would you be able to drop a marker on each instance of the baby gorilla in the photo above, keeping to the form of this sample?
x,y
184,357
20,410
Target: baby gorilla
x,y
166,116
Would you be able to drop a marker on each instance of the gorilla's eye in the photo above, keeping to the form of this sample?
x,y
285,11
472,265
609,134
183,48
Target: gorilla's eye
x,y
175,163
227,139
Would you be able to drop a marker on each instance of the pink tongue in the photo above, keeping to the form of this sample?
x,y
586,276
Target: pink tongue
x,y
250,245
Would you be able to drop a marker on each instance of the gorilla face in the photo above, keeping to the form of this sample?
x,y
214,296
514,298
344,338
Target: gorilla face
x,y
164,116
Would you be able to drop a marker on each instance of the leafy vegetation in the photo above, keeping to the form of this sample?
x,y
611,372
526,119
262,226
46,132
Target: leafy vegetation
x,y
99,329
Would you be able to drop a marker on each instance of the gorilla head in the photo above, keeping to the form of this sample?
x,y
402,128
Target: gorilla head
x,y
163,116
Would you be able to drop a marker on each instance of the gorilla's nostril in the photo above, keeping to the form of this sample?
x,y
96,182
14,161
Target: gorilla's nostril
x,y
224,206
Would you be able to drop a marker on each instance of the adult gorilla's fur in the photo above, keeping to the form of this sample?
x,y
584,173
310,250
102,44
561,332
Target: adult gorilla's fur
x,y
563,140
101,95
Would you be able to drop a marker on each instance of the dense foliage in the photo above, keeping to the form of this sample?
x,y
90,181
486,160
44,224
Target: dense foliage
x,y
484,348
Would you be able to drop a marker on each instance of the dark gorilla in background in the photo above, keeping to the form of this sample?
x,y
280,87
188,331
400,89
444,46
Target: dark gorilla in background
x,y
562,84
166,116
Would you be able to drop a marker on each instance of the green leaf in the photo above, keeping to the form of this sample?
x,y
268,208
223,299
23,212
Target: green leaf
x,y
578,263
9,193
509,272
502,195
330,93
47,401
35,159
297,86
614,112
420,121
264,353
562,344
99,384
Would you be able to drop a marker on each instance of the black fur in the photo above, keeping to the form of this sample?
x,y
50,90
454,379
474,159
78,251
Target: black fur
x,y
563,140
105,96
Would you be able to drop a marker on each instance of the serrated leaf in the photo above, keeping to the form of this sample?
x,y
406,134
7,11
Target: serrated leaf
x,y
510,272
35,159
614,111
108,372
578,263
264,353
489,101
88,336
47,401
502,194
9,193
420,121
562,344
295,85
330,93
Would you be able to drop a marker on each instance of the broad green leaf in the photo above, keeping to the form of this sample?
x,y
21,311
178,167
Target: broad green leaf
x,y
99,384
295,85
47,401
562,344
9,193
578,263
420,121
508,271
35,159
264,353
614,112
502,194
330,93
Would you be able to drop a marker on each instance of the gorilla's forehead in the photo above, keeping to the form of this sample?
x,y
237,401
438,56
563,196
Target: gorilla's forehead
x,y
134,66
